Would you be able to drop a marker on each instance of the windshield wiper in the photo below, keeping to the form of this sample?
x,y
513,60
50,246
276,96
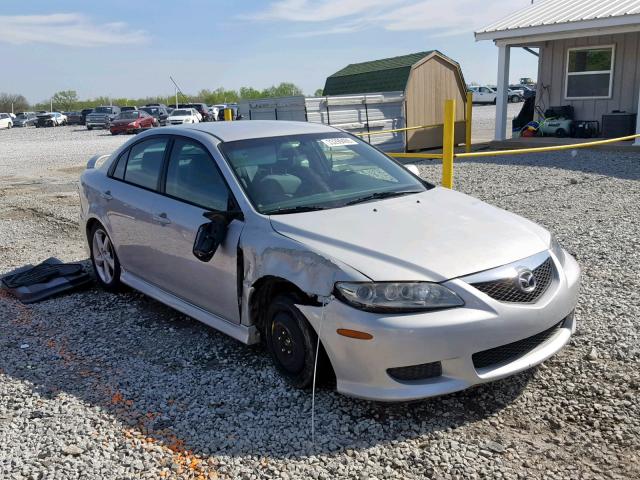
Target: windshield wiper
x,y
298,209
381,195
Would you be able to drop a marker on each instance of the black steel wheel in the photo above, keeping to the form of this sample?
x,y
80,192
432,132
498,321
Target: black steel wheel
x,y
291,341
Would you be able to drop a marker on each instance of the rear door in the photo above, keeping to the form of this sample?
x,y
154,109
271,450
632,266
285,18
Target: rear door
x,y
129,200
193,186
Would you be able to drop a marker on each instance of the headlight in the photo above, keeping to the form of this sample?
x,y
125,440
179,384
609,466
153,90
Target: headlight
x,y
557,249
397,297
132,124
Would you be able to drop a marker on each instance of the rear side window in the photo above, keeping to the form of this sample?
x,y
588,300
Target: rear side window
x,y
118,172
193,176
145,163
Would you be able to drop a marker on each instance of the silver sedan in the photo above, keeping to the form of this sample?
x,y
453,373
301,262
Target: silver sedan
x,y
312,241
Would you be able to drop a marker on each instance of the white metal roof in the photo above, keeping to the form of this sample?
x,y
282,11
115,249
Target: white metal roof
x,y
553,16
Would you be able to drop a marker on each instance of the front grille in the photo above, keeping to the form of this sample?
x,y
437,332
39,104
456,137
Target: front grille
x,y
416,372
507,290
512,351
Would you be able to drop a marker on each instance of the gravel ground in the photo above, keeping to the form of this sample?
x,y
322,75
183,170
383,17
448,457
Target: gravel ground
x,y
484,121
96,385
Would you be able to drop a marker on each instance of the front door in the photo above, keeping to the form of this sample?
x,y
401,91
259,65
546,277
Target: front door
x,y
193,186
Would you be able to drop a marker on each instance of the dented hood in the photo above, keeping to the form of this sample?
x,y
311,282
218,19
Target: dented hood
x,y
435,236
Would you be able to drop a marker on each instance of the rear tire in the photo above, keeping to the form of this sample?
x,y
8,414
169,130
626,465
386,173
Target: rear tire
x,y
104,259
291,341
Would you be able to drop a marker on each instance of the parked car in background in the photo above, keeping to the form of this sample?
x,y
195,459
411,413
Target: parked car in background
x,y
483,94
214,112
74,118
5,120
101,116
514,96
25,119
183,115
132,121
84,114
128,108
51,119
274,231
524,90
201,108
159,113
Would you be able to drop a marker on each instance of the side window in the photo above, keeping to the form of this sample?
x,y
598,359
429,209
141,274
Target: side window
x,y
194,177
118,172
145,163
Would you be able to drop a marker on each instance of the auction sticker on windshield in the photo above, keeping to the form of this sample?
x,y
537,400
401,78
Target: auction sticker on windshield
x,y
338,142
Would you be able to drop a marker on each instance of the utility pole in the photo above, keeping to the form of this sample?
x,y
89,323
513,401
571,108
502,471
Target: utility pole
x,y
177,89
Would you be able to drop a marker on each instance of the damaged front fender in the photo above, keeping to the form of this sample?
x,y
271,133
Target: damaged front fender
x,y
274,255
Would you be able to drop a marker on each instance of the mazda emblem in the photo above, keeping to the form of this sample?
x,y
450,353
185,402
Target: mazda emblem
x,y
526,281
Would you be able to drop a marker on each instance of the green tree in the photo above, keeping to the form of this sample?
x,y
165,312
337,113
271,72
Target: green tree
x,y
7,100
318,93
248,93
284,89
65,100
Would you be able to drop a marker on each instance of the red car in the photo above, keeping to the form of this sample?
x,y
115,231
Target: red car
x,y
132,121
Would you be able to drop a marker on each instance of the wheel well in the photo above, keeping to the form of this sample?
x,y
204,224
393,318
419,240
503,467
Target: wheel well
x,y
266,289
90,224
269,287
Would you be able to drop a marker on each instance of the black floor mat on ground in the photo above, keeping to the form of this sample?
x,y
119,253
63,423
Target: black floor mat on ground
x,y
35,283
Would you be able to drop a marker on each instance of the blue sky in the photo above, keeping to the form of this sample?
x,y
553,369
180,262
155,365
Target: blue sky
x,y
123,48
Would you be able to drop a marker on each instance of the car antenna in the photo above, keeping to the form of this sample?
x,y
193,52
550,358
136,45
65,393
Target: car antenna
x,y
315,370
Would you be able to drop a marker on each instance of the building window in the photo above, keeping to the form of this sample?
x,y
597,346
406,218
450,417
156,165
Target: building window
x,y
589,72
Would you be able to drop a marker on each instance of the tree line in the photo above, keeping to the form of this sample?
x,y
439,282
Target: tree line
x,y
68,100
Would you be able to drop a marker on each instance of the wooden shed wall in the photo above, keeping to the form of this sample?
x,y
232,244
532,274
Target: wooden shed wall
x,y
552,68
432,81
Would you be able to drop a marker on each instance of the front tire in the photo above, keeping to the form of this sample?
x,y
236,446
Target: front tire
x,y
291,341
104,259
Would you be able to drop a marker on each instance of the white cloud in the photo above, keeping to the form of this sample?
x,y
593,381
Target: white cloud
x,y
347,16
321,10
69,29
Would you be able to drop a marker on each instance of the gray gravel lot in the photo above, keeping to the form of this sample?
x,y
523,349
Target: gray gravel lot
x,y
97,385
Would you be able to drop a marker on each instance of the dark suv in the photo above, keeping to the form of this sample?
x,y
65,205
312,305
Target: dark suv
x,y
101,116
158,112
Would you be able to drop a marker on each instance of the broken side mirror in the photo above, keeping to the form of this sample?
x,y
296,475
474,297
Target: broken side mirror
x,y
211,235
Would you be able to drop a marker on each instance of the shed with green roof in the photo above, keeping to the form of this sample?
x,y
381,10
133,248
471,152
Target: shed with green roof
x,y
427,79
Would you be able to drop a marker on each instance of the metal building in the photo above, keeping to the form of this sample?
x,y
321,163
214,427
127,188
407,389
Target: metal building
x,y
359,114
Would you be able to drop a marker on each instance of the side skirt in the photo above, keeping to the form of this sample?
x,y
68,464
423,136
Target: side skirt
x,y
248,335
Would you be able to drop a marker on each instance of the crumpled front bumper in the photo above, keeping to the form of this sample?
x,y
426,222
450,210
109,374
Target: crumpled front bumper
x,y
448,336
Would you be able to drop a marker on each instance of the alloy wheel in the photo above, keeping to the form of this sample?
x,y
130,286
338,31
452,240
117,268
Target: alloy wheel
x,y
103,256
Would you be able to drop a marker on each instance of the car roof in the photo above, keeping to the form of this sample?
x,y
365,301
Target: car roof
x,y
245,129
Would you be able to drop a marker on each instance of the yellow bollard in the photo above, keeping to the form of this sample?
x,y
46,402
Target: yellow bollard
x,y
467,120
447,143
228,114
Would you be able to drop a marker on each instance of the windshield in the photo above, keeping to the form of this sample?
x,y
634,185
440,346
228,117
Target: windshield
x,y
127,115
315,171
177,113
22,116
102,110
150,110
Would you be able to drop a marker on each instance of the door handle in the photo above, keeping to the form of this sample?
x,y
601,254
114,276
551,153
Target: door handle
x,y
161,218
107,195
